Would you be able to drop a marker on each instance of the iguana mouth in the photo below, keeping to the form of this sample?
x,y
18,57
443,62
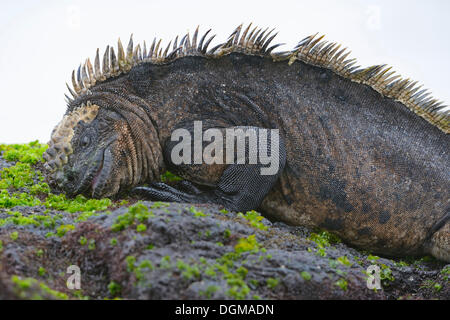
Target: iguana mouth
x,y
97,174
82,184
103,174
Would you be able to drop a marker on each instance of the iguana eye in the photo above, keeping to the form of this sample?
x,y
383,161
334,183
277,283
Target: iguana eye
x,y
85,141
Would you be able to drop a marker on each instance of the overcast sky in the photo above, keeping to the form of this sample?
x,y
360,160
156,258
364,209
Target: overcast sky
x,y
42,41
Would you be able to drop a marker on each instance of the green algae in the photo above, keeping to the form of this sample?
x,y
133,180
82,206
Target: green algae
x,y
82,240
141,227
78,204
188,271
63,229
136,213
168,176
22,185
42,271
272,282
342,283
386,274
344,261
247,244
445,272
254,218
165,263
324,239
401,264
372,258
14,235
197,213
114,288
24,286
431,284
30,153
138,269
130,261
306,275
229,267
159,205
209,292
17,199
91,245
437,287
18,176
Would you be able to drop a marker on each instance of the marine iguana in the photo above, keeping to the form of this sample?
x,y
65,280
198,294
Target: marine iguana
x,y
362,153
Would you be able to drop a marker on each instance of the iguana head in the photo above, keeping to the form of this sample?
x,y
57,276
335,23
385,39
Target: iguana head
x,y
92,151
80,153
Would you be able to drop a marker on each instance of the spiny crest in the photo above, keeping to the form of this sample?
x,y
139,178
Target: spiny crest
x,y
87,75
114,65
313,50
255,41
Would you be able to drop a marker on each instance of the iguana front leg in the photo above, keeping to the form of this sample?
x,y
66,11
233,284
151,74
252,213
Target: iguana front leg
x,y
240,186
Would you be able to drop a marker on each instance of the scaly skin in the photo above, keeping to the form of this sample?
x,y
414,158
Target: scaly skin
x,y
357,163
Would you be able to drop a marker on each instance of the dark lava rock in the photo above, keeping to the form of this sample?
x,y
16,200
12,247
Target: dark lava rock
x,y
184,256
185,251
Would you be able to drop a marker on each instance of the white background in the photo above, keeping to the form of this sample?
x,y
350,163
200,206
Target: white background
x,y
42,41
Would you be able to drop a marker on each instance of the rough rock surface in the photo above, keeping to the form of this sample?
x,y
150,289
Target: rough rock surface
x,y
152,250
